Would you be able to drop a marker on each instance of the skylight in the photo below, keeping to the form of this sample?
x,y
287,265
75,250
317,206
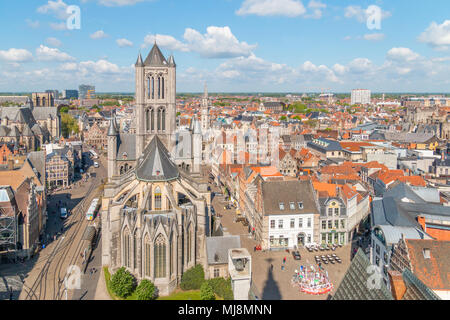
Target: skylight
x,y
281,205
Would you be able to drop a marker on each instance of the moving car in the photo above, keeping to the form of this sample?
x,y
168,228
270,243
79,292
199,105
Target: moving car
x,y
96,165
63,214
296,255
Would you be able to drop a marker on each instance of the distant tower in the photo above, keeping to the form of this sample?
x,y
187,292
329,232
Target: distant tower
x,y
205,110
113,136
155,99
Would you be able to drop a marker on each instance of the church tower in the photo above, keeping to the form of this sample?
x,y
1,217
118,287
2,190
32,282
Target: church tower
x,y
205,110
155,99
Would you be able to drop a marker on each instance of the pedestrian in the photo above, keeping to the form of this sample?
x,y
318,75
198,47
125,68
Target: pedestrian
x,y
271,267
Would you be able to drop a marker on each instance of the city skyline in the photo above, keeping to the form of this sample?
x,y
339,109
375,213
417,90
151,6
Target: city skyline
x,y
235,46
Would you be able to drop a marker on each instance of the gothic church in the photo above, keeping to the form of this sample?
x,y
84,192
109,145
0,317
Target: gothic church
x,y
155,210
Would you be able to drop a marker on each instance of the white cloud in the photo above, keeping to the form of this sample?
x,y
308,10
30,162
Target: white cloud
x,y
100,34
339,69
58,26
437,35
360,65
32,24
16,55
374,36
99,67
165,41
217,42
56,8
361,14
317,8
124,43
119,3
402,54
288,8
52,54
69,66
53,42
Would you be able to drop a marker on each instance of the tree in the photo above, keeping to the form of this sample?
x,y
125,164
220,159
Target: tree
x,y
206,292
68,125
193,278
222,287
123,283
146,290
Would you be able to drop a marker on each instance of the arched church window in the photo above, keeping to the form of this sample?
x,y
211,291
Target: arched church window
x,y
135,249
162,88
160,256
147,120
153,88
152,119
148,88
171,255
159,87
163,120
188,244
126,247
158,122
158,201
149,201
147,256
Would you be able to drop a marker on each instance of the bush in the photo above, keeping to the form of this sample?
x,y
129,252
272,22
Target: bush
x,y
123,283
193,278
222,287
206,292
146,290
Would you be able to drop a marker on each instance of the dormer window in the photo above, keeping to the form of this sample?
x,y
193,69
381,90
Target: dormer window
x,y
292,205
281,204
300,205
426,253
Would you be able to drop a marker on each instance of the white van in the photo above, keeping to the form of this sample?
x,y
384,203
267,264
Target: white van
x,y
96,165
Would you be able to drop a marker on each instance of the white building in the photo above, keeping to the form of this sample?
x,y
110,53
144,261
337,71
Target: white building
x,y
360,96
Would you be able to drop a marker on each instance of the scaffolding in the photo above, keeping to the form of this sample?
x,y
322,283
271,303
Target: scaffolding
x,y
8,231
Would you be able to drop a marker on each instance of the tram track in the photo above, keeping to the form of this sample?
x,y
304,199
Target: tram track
x,y
41,282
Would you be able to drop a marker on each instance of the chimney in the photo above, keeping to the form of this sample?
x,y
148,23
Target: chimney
x,y
398,286
10,164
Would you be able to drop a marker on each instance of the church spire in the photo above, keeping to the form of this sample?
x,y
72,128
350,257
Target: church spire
x,y
139,62
205,92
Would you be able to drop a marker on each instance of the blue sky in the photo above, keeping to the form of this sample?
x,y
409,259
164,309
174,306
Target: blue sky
x,y
234,45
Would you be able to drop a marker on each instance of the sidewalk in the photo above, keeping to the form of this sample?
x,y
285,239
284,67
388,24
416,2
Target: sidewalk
x,y
102,292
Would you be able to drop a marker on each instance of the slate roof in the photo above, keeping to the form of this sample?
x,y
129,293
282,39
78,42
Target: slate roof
x,y
126,144
155,58
157,165
276,192
43,113
217,248
37,161
354,284
324,145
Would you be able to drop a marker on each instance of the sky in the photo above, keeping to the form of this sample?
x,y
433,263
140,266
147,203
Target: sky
x,y
232,45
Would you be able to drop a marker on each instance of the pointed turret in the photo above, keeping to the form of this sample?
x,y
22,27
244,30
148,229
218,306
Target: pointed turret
x,y
112,130
172,61
139,62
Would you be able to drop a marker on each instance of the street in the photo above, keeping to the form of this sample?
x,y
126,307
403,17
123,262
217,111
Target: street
x,y
45,278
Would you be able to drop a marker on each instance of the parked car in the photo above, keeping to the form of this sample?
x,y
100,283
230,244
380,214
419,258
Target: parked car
x,y
296,255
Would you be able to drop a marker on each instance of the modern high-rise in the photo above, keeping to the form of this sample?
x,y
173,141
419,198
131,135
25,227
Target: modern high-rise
x,y
70,94
361,96
86,92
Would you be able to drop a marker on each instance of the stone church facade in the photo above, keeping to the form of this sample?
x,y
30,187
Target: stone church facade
x,y
155,213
